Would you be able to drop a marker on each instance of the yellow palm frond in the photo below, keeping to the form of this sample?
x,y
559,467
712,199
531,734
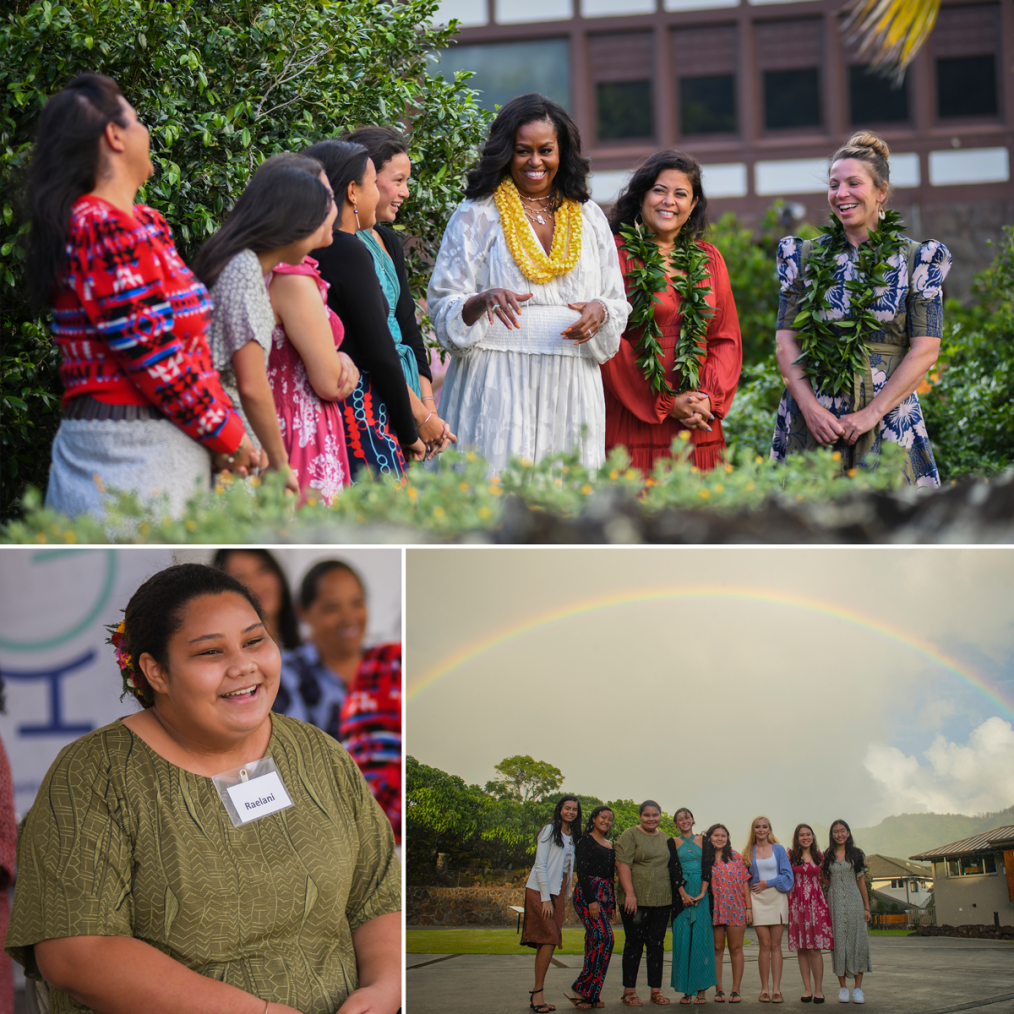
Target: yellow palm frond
x,y
891,32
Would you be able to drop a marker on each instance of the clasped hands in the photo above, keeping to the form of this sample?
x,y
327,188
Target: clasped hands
x,y
693,410
692,900
828,429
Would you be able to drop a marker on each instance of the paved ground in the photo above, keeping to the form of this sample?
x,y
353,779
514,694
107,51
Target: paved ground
x,y
911,975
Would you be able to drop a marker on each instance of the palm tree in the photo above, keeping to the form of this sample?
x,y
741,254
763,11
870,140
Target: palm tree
x,y
891,32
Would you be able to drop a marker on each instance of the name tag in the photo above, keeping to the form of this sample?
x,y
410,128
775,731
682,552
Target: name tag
x,y
252,791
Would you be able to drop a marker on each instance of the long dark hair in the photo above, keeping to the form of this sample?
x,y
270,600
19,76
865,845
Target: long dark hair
x,y
495,158
288,623
796,855
382,143
284,201
155,611
590,826
727,851
309,589
64,167
853,854
628,204
556,834
344,163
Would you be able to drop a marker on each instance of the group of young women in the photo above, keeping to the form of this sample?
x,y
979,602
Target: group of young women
x,y
708,893
567,330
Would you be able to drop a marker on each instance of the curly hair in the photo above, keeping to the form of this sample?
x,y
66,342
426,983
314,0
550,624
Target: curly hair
x,y
571,180
853,854
796,854
556,834
727,849
631,198
155,613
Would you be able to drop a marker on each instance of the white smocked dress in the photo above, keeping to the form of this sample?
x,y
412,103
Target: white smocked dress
x,y
524,393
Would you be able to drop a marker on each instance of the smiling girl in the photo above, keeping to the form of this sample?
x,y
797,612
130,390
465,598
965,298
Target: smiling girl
x,y
137,888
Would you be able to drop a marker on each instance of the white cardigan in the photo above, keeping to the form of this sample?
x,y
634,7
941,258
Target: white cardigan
x,y
553,864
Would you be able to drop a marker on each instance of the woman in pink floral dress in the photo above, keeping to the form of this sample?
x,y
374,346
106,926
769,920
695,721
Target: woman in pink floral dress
x,y
809,917
731,908
307,373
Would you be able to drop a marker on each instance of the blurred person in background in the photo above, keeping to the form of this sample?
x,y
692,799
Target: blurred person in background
x,y
259,571
350,691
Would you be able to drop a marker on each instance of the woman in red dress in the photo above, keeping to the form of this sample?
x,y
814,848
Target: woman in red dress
x,y
809,917
665,201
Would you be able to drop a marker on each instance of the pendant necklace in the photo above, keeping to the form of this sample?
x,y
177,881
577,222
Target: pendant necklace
x,y
535,214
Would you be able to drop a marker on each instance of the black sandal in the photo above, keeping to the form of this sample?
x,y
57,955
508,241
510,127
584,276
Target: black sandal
x,y
541,1008
719,997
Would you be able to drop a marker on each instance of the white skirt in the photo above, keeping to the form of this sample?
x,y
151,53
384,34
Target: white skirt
x,y
505,404
151,457
770,907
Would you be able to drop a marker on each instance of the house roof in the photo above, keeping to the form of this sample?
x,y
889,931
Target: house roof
x,y
988,841
911,905
884,867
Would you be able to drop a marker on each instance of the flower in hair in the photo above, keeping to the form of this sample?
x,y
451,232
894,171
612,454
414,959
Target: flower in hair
x,y
134,682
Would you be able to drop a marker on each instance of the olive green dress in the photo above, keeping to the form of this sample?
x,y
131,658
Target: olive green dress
x,y
121,842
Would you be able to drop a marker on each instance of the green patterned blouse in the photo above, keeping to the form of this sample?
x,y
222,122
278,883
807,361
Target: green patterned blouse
x,y
647,855
120,842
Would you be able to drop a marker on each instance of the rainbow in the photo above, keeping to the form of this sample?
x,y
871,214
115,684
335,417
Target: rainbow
x,y
741,593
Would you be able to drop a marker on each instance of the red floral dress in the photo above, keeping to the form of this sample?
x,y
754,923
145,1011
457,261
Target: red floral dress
x,y
809,917
727,880
311,428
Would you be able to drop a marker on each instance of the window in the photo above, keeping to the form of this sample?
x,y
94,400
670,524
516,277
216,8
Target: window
x,y
791,98
624,110
966,86
708,104
875,99
971,866
504,70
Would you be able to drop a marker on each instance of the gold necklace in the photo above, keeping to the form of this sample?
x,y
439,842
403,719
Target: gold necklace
x,y
528,253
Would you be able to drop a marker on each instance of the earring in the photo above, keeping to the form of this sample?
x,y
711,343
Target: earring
x,y
638,221
355,211
883,214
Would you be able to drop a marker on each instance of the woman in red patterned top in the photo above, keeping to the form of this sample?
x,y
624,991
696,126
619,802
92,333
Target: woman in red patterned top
x,y
143,409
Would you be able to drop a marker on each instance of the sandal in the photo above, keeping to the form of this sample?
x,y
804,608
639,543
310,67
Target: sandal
x,y
657,996
580,1002
700,999
719,997
686,999
778,998
539,1008
765,997
632,1000
735,998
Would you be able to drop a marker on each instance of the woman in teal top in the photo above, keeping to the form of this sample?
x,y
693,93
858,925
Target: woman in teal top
x,y
389,153
693,944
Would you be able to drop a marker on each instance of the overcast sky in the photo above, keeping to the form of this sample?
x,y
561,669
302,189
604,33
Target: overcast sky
x,y
730,707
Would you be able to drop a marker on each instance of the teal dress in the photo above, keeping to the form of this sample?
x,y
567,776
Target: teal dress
x,y
388,275
693,942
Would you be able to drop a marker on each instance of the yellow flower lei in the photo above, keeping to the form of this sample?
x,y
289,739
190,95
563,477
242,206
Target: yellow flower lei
x,y
524,245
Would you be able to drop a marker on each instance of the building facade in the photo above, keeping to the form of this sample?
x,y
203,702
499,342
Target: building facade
x,y
761,93
908,884
974,879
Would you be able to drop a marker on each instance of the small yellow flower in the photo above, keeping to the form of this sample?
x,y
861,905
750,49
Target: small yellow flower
x,y
226,478
496,490
484,513
438,511
728,469
219,488
758,460
191,525
496,480
464,487
144,528
470,456
836,456
565,469
255,481
121,627
312,501
649,481
693,469
630,473
69,537
40,537
684,435
719,488
412,493
558,482
750,486
705,493
851,473
614,474
526,463
586,489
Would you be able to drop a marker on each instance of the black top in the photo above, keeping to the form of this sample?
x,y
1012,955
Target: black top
x,y
356,296
592,860
677,878
404,312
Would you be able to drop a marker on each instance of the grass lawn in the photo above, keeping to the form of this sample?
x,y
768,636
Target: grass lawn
x,y
496,941
891,932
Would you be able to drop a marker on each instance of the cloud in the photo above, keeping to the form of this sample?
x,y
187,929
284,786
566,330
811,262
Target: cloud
x,y
969,778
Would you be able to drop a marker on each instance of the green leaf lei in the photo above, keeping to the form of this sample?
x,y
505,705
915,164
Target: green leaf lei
x,y
835,350
646,281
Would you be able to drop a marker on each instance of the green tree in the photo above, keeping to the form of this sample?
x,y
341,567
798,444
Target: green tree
x,y
525,779
221,84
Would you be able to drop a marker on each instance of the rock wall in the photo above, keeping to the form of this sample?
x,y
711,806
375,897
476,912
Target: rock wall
x,y
976,932
470,906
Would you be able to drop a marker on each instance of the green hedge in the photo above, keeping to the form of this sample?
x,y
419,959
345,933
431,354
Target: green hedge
x,y
222,84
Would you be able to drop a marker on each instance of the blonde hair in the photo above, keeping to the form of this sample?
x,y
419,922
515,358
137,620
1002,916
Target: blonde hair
x,y
865,146
748,848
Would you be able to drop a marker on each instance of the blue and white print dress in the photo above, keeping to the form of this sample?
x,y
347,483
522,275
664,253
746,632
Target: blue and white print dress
x,y
907,307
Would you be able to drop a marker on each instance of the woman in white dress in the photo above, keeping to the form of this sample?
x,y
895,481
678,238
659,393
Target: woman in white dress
x,y
527,295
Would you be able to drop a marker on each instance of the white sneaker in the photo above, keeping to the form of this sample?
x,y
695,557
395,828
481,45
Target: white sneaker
x,y
843,995
857,996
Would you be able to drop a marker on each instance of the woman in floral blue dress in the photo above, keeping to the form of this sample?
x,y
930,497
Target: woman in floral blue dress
x,y
882,404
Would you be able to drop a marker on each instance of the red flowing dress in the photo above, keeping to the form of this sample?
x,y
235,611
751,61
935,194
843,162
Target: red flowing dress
x,y
637,417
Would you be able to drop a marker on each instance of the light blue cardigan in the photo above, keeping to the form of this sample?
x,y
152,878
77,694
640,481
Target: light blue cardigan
x,y
785,879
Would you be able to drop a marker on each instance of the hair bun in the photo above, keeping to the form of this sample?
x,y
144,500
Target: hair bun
x,y
867,139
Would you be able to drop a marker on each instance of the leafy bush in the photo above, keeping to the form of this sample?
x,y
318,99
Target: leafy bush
x,y
969,404
453,499
221,84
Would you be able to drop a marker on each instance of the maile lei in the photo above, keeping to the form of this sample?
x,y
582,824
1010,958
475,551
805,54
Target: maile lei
x,y
834,351
646,280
